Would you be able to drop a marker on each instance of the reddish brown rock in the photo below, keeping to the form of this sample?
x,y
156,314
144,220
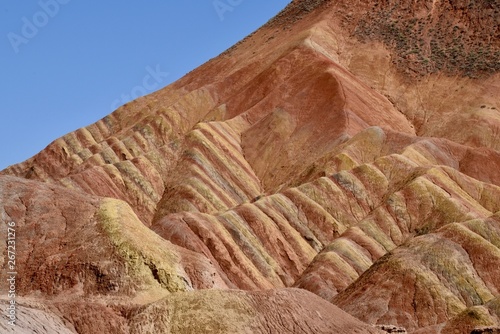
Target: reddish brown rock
x,y
391,329
486,330
273,311
349,149
430,279
33,318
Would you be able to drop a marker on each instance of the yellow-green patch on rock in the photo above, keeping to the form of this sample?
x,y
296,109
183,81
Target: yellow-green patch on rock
x,y
149,259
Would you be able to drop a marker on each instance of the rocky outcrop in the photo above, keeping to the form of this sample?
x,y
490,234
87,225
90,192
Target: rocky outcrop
x,y
391,329
73,243
276,311
347,149
442,274
492,330
33,319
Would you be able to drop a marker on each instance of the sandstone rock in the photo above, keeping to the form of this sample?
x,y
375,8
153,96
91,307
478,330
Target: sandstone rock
x,y
492,330
273,311
91,245
31,319
391,329
442,274
348,149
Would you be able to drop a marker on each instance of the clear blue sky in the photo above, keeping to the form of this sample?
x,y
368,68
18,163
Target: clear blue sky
x,y
67,63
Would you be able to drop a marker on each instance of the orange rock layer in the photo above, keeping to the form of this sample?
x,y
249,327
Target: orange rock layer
x,y
315,154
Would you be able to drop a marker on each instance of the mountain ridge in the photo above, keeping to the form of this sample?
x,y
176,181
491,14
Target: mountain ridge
x,y
313,154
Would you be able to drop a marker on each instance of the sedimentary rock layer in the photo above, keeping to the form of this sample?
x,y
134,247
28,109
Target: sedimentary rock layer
x,y
348,151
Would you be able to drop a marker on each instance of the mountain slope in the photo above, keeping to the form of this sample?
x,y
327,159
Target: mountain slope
x,y
351,149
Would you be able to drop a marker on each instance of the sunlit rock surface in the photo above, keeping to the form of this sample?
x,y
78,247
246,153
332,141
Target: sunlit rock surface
x,y
336,170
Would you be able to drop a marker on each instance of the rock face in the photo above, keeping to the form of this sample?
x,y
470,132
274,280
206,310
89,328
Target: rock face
x,y
34,319
230,311
392,329
336,170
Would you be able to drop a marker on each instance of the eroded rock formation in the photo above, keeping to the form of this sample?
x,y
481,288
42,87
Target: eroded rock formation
x,y
336,170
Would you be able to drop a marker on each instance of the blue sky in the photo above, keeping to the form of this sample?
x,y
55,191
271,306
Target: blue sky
x,y
67,63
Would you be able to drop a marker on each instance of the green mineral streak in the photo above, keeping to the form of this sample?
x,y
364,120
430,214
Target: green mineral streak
x,y
147,257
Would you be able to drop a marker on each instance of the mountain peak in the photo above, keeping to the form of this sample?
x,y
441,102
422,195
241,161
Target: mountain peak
x,y
342,160
454,37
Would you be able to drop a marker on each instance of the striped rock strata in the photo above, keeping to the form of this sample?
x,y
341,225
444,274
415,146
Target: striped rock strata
x,y
348,151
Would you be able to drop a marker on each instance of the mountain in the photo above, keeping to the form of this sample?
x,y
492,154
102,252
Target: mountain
x,y
337,171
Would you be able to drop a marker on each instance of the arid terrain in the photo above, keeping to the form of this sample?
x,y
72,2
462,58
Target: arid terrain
x,y
337,171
